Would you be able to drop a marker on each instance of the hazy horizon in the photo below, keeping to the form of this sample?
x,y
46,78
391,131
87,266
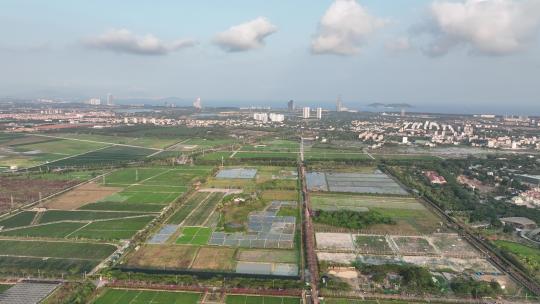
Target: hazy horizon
x,y
445,55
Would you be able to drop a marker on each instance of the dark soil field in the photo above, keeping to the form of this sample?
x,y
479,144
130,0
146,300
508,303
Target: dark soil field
x,y
23,190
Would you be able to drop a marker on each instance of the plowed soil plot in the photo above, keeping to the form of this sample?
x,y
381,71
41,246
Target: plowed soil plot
x,y
24,190
214,258
161,256
372,244
80,196
453,245
414,246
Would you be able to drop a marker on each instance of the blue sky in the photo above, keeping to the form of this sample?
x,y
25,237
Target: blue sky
x,y
386,51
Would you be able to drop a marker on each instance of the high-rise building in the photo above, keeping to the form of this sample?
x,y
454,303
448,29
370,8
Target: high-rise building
x,y
263,117
275,117
94,101
339,104
319,113
290,105
110,99
305,112
197,104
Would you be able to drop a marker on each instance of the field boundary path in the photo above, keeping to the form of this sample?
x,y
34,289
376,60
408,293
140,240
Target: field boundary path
x,y
369,154
309,232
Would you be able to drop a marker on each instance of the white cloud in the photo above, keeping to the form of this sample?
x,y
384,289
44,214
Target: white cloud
x,y
495,27
344,28
246,36
401,44
124,41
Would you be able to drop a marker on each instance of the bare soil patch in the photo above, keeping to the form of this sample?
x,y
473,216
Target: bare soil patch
x,y
163,256
80,196
23,190
215,258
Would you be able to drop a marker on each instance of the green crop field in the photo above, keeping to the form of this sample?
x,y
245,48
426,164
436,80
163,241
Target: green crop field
x,y
50,258
325,201
4,287
266,155
147,189
147,186
148,142
108,156
54,230
245,299
358,301
181,214
89,225
33,150
163,198
18,220
25,266
194,236
56,249
132,296
123,206
215,155
522,251
425,157
267,255
208,143
131,176
329,154
61,215
156,176
175,177
112,229
200,215
61,148
274,146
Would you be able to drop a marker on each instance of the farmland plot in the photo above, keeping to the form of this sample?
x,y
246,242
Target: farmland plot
x,y
132,296
245,299
51,257
376,183
108,156
23,189
200,215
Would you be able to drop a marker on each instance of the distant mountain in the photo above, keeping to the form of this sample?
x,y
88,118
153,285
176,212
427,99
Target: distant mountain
x,y
390,105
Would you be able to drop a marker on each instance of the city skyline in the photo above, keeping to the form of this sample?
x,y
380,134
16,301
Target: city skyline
x,y
259,53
